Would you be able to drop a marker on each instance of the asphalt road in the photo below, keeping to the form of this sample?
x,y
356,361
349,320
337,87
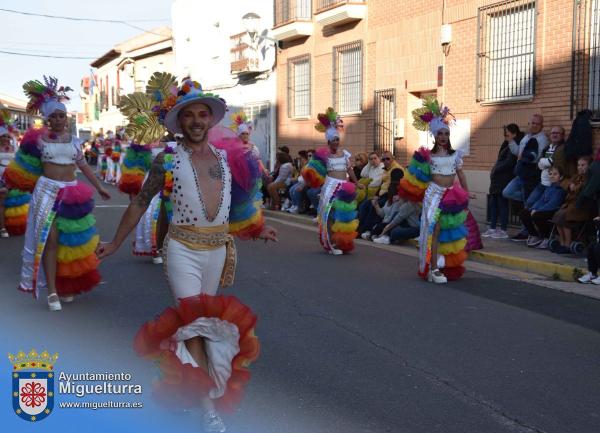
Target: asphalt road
x,y
353,344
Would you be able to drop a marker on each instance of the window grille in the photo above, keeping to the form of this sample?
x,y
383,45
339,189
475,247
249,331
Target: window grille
x,y
299,86
385,110
506,51
585,65
347,78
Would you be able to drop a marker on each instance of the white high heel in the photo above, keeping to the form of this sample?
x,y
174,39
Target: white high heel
x,y
54,302
435,276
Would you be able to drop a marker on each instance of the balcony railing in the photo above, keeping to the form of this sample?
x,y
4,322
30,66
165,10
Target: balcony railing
x,y
243,58
323,5
287,11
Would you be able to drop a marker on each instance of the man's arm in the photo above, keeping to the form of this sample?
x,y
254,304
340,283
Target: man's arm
x,y
153,185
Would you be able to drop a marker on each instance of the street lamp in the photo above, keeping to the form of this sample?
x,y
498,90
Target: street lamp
x,y
252,24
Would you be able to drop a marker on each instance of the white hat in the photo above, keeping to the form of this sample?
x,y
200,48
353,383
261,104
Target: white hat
x,y
193,94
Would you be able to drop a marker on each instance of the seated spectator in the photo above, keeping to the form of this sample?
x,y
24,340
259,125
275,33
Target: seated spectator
x,y
360,161
500,176
366,213
593,258
370,178
403,225
590,195
536,219
557,140
385,213
283,179
298,189
568,216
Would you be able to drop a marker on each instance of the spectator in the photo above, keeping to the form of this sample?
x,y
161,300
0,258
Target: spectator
x,y
403,225
378,206
590,194
366,213
593,258
385,213
283,179
298,189
569,215
526,170
371,177
500,176
360,161
536,219
557,140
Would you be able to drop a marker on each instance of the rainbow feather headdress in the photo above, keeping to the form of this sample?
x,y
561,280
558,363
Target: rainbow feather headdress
x,y
432,116
240,123
329,123
45,97
6,123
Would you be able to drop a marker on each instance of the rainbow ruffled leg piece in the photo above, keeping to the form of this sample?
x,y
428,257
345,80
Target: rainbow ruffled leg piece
x,y
77,262
453,232
345,217
246,220
135,165
16,207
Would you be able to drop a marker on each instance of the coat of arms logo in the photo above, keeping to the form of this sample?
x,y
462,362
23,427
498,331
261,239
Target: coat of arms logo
x,y
33,384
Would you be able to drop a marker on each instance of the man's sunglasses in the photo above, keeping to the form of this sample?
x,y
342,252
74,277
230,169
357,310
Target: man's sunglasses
x,y
386,159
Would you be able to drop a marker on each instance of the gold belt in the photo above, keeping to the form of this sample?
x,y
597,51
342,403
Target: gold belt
x,y
209,238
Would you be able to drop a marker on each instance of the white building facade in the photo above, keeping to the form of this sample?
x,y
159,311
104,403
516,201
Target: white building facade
x,y
124,69
213,47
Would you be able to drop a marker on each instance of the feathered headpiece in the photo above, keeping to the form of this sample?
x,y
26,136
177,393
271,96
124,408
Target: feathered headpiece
x,y
6,123
152,113
330,123
46,97
432,116
240,123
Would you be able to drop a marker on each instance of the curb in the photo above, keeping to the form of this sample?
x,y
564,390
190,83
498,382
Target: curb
x,y
551,270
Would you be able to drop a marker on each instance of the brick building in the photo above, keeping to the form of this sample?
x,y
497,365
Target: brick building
x,y
374,60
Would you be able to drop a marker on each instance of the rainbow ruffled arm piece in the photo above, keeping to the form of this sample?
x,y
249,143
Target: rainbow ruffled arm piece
x,y
245,215
136,164
417,177
23,172
165,194
16,207
315,171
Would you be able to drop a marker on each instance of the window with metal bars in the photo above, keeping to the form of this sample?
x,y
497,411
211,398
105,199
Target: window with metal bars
x,y
385,110
299,86
506,51
585,66
287,11
347,78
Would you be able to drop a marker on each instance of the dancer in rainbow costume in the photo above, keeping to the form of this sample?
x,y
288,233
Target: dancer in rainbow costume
x,y
61,238
431,177
14,203
203,344
329,168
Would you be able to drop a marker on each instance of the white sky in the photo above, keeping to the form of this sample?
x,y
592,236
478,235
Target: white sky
x,y
39,35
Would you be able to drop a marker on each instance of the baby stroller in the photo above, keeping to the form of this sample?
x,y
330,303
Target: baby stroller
x,y
584,234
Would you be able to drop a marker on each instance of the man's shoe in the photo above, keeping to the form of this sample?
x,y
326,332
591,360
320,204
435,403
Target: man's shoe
x,y
543,245
213,423
587,278
384,240
533,241
519,237
366,235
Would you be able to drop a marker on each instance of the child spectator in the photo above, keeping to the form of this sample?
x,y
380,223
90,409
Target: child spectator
x,y
536,219
500,176
569,215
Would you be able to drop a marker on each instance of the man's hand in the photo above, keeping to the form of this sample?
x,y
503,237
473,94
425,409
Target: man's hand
x,y
105,249
472,196
268,233
104,193
360,185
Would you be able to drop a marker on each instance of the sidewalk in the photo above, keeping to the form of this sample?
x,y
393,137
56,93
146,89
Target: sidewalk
x,y
503,253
